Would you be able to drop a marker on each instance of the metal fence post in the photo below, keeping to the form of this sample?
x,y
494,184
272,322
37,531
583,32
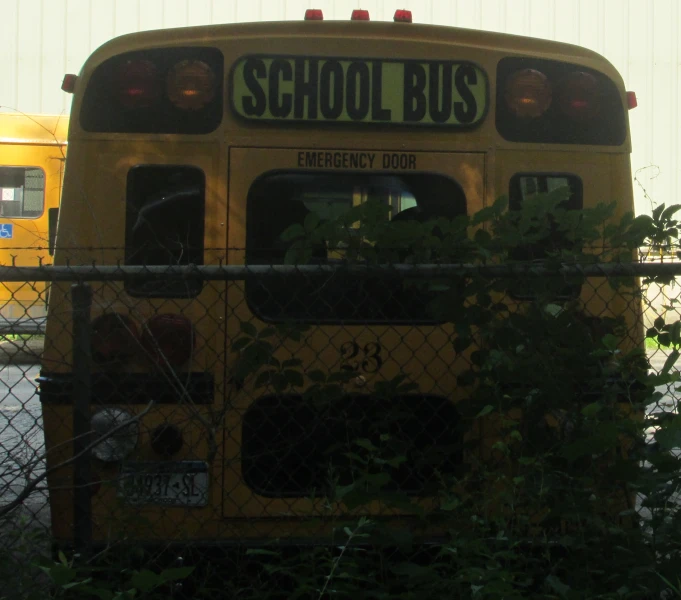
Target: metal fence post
x,y
81,297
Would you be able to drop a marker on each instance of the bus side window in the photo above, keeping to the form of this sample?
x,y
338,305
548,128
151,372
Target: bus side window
x,y
522,187
22,192
164,225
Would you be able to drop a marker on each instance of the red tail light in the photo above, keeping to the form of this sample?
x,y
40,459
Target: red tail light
x,y
632,102
168,339
402,16
68,84
578,96
359,15
314,14
114,338
138,84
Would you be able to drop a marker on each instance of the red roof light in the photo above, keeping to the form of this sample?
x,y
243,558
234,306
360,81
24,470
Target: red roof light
x,y
631,100
402,16
359,15
68,84
314,14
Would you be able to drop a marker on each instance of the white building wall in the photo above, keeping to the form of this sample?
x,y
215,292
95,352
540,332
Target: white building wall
x,y
40,40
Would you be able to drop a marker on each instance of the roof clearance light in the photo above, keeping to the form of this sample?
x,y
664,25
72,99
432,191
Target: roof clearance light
x,y
631,100
314,14
528,93
578,96
68,84
138,84
402,16
359,15
191,84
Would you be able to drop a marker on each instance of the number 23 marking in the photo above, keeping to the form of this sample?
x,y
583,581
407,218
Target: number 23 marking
x,y
368,357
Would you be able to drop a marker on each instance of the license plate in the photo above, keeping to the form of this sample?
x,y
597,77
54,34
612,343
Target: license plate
x,y
182,483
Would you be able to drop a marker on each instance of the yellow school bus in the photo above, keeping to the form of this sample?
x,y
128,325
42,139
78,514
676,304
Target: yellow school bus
x,y
201,148
32,155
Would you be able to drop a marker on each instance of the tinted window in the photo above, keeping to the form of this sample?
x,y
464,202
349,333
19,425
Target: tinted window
x,y
280,200
527,187
22,192
585,106
164,224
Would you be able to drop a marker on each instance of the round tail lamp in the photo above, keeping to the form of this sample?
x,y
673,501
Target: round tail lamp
x,y
138,84
528,93
191,85
578,97
114,338
166,440
168,339
121,434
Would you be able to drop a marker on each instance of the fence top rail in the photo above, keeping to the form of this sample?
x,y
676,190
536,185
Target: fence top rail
x,y
420,271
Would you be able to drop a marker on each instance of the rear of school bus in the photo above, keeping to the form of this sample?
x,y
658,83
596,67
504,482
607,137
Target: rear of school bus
x,y
202,147
32,154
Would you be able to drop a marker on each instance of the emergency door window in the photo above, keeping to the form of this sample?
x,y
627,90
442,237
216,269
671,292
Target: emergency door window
x,y
22,192
278,201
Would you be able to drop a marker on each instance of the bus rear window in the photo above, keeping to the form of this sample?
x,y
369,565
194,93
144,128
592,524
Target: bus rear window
x,y
164,225
279,200
23,192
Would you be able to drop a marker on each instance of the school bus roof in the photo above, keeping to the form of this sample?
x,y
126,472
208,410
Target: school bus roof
x,y
355,32
22,128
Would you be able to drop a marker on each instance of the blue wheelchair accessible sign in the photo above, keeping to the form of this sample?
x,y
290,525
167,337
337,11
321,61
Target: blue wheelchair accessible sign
x,y
6,231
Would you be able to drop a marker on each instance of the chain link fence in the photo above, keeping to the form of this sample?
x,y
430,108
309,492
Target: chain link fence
x,y
254,411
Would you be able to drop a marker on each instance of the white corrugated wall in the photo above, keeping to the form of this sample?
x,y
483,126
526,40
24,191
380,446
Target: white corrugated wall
x,y
40,40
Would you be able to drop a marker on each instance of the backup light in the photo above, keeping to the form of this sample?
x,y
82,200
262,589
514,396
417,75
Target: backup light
x,y
119,444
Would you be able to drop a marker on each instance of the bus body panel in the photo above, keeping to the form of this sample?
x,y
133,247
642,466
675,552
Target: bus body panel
x,y
233,158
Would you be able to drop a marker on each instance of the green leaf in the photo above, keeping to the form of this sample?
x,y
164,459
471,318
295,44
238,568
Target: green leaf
x,y
671,361
485,411
240,344
316,376
145,580
558,586
591,410
669,435
176,573
62,574
248,328
311,221
261,552
294,232
366,444
294,378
